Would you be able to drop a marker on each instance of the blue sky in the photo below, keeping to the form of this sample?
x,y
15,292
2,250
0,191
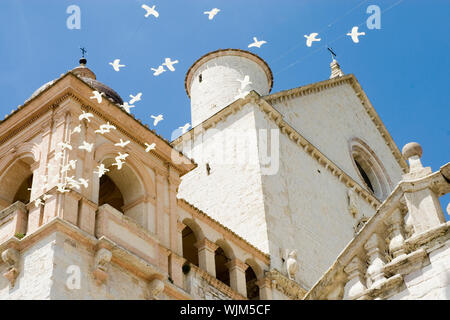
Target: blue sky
x,y
403,67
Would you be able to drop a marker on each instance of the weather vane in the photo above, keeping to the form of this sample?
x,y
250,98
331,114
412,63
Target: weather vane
x,y
83,51
333,54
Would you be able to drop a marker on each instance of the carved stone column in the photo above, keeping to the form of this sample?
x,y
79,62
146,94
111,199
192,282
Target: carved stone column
x,y
265,288
355,285
375,272
237,276
396,245
206,256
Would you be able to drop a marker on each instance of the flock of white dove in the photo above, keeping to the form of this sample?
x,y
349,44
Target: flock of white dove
x,y
107,127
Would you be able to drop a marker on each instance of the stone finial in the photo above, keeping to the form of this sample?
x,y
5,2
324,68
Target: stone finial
x,y
413,152
102,260
336,70
11,257
155,287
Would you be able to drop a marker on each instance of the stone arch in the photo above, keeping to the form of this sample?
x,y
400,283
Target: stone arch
x,y
252,274
222,256
191,234
370,169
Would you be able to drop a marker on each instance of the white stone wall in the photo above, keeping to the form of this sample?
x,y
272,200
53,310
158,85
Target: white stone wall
x,y
219,85
35,278
431,282
329,119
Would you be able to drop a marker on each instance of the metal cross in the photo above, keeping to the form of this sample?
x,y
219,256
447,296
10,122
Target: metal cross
x,y
83,51
333,55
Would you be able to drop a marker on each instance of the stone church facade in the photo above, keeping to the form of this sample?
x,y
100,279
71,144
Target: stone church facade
x,y
300,194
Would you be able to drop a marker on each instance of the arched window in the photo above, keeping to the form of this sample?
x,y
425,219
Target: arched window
x,y
252,287
370,169
190,252
15,182
222,272
110,194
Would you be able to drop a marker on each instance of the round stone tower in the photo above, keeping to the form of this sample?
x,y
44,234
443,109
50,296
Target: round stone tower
x,y
212,82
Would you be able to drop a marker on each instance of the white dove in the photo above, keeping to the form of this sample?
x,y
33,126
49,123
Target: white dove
x,y
45,197
158,71
355,34
122,143
116,65
65,146
61,187
85,116
150,11
212,13
83,182
101,170
102,131
73,183
107,126
185,128
169,64
241,94
97,95
292,265
311,38
158,118
58,155
77,129
86,146
38,202
135,98
127,107
72,163
150,147
65,168
245,82
121,156
256,43
119,164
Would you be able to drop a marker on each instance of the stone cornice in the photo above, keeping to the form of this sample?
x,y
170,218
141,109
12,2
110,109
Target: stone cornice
x,y
353,82
241,242
287,286
287,130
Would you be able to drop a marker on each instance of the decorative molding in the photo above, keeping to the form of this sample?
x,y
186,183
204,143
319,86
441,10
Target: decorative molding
x,y
102,260
11,257
288,287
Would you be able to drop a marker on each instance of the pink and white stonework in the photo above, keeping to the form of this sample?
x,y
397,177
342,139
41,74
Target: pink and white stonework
x,y
300,194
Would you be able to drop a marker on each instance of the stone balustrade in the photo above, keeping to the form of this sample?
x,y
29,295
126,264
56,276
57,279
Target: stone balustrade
x,y
396,241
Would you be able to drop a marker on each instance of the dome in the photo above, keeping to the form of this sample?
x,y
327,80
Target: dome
x,y
100,87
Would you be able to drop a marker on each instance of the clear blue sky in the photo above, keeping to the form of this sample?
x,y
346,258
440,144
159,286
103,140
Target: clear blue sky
x,y
403,67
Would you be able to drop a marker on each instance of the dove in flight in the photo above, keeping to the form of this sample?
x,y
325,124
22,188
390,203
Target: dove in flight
x,y
45,197
135,98
77,129
158,71
72,163
38,202
150,11
85,116
150,147
102,131
65,145
97,95
119,164
311,38
157,119
244,82
355,34
58,155
116,65
122,143
256,43
241,94
86,146
169,64
121,156
101,170
107,126
127,107
185,128
73,183
83,182
61,187
212,13
65,168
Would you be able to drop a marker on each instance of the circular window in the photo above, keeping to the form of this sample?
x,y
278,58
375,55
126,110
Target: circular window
x,y
369,169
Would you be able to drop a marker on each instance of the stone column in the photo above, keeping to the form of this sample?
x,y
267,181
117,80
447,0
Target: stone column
x,y
237,276
160,212
265,288
176,273
423,203
174,182
375,271
355,285
396,245
206,255
180,228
